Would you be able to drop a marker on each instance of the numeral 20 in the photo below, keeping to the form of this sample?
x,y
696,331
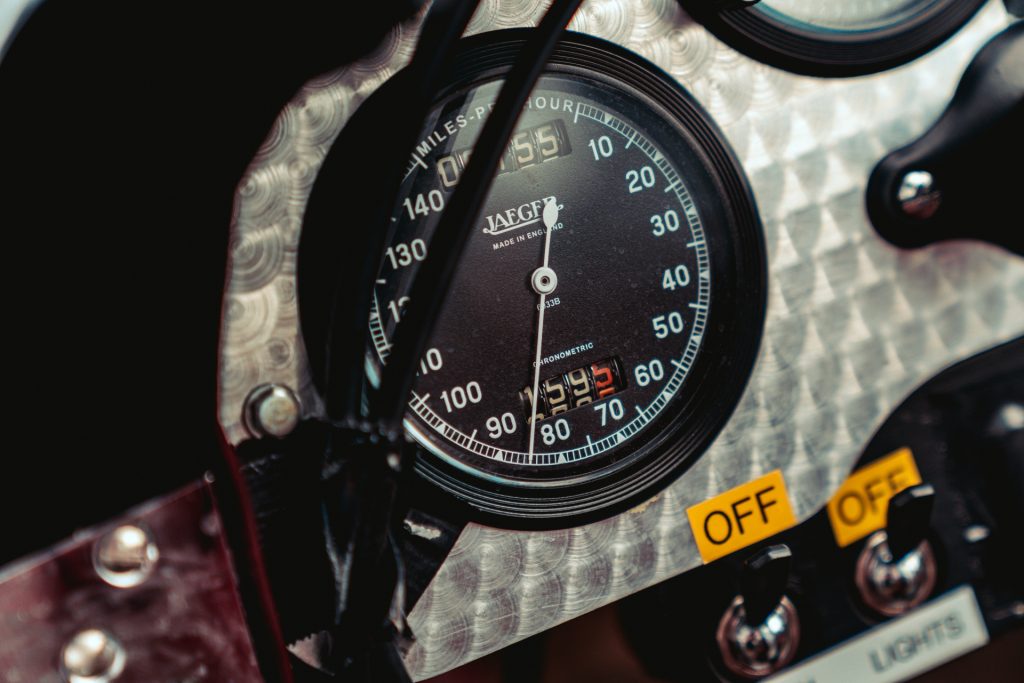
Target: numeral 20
x,y
640,180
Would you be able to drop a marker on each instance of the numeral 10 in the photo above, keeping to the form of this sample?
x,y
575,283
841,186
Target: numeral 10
x,y
601,147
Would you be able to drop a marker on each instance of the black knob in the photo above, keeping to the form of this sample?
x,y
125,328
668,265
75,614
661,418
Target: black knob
x,y
958,180
908,519
763,582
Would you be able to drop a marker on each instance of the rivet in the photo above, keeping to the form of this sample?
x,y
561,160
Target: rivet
x,y
92,656
918,196
272,410
126,556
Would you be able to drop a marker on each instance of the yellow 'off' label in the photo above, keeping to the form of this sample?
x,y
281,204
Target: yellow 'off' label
x,y
741,516
859,506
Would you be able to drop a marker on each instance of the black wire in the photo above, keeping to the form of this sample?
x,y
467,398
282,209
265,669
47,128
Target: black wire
x,y
364,500
362,497
384,141
449,240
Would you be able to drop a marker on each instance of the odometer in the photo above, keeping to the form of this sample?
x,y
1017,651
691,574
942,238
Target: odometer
x,y
608,305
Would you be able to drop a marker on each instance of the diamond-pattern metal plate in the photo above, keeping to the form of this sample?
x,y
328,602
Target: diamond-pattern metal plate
x,y
853,324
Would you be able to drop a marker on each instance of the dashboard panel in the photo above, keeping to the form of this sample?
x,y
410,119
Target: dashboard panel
x,y
718,331
852,324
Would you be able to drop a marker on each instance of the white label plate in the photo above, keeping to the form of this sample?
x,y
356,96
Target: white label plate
x,y
941,631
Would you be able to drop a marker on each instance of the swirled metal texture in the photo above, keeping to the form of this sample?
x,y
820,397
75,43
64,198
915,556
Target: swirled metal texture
x,y
853,324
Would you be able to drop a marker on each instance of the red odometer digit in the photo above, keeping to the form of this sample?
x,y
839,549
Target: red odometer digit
x,y
573,389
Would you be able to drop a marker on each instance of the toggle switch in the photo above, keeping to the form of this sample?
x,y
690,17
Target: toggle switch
x,y
896,569
760,631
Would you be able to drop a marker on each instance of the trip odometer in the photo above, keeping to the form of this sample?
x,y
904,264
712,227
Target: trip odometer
x,y
607,308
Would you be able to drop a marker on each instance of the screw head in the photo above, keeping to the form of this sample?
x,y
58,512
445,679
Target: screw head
x,y
126,556
918,196
92,656
272,410
1008,419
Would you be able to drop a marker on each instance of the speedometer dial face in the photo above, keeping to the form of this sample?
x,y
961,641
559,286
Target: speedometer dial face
x,y
630,282
572,347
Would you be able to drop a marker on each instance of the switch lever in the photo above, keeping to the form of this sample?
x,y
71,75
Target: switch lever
x,y
763,582
896,570
908,519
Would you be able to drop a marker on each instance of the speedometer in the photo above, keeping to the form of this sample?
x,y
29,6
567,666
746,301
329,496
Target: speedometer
x,y
607,308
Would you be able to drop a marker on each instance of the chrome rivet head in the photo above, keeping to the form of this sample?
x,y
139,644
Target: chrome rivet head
x,y
1008,419
92,656
272,410
918,195
126,556
395,461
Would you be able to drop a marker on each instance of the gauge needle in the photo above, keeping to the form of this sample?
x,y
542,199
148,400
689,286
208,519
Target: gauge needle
x,y
544,282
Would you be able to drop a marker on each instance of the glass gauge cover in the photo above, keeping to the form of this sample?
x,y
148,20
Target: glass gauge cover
x,y
836,37
618,244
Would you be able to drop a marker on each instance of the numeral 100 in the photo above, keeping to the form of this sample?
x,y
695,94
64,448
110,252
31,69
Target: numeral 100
x,y
458,397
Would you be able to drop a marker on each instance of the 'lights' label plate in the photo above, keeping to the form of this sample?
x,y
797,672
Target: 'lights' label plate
x,y
933,634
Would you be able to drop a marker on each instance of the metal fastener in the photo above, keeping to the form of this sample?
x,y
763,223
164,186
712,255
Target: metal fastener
x,y
1008,419
918,196
92,656
126,556
271,410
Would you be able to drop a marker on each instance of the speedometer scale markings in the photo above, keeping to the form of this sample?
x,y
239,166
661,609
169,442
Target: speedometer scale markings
x,y
593,340
672,238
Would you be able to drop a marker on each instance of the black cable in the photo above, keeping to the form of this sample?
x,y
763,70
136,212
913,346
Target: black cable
x,y
449,240
376,147
363,497
362,493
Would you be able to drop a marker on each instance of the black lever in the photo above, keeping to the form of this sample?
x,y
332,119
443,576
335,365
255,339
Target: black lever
x,y
763,582
909,518
962,179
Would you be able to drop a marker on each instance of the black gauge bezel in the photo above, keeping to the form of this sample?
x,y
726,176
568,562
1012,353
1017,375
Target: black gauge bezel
x,y
736,317
832,54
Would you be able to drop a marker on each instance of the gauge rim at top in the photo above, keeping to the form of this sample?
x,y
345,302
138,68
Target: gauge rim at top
x,y
833,54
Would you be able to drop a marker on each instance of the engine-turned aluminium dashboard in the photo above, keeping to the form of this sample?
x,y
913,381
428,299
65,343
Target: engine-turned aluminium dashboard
x,y
673,289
